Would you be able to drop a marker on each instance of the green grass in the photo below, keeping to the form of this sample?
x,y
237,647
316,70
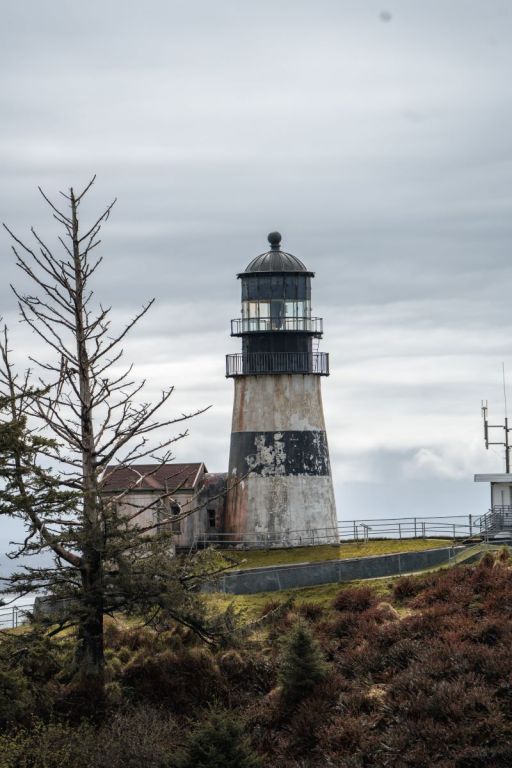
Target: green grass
x,y
258,558
323,594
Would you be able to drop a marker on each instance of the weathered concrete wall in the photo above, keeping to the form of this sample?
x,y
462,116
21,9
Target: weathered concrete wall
x,y
190,526
277,403
279,446
275,578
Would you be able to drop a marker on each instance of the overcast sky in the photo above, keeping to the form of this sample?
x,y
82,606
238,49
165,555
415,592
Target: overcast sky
x,y
375,136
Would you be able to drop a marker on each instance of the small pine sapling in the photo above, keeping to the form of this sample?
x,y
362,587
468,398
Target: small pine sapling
x,y
218,742
302,665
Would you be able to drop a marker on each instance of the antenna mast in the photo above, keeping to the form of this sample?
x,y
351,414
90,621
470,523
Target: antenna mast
x,y
504,390
505,427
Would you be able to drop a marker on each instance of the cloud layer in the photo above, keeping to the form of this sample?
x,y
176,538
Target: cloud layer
x,y
375,138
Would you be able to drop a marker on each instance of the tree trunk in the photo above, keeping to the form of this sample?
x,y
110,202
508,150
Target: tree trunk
x,y
89,661
89,651
89,656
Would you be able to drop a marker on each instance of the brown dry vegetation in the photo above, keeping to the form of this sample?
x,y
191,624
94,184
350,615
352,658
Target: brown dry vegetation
x,y
421,679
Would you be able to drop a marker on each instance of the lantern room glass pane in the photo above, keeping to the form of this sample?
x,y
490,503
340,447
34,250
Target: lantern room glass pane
x,y
264,309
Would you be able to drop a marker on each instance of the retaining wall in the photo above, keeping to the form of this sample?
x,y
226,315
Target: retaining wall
x,y
274,578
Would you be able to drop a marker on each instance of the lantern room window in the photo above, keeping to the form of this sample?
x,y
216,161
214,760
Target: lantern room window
x,y
276,315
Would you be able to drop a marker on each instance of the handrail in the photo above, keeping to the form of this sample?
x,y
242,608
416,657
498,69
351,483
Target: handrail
x,y
12,616
243,325
353,530
260,363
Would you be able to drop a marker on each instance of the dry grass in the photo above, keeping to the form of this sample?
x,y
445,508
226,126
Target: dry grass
x,y
260,558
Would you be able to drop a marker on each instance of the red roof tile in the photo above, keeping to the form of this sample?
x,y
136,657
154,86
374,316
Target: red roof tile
x,y
164,477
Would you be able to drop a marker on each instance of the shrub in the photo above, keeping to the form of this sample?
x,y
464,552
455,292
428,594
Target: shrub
x,y
218,742
407,586
181,681
271,606
403,653
140,737
344,735
310,611
16,701
356,599
302,665
381,613
486,561
504,555
344,625
304,728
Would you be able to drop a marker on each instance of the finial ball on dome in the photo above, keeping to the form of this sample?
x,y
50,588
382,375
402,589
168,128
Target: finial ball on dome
x,y
274,238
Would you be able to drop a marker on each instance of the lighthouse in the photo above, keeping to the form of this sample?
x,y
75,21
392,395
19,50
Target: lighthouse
x,y
279,481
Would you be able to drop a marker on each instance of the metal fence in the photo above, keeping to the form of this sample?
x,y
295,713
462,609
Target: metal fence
x,y
455,527
12,616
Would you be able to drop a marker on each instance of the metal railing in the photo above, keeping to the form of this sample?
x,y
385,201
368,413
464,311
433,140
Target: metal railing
x,y
449,527
243,325
498,518
455,527
12,616
257,363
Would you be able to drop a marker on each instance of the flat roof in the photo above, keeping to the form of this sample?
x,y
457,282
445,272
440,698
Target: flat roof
x,y
502,477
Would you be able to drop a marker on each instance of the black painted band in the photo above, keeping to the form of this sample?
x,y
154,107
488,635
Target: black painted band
x,y
280,453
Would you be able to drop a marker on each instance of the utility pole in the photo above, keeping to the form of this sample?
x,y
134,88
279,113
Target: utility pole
x,y
505,442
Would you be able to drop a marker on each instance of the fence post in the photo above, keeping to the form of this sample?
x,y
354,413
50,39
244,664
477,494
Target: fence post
x,y
454,530
470,526
355,531
424,531
415,528
399,530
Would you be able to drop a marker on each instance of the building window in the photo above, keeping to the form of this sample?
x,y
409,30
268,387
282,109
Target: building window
x,y
164,518
211,518
175,524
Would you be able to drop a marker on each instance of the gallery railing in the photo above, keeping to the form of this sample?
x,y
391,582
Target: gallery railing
x,y
263,324
259,363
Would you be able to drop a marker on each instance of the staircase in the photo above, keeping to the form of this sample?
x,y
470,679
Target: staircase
x,y
496,523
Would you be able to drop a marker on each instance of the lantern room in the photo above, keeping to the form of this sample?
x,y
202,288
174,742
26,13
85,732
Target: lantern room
x,y
276,323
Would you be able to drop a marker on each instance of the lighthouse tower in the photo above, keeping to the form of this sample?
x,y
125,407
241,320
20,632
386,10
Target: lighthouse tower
x,y
279,482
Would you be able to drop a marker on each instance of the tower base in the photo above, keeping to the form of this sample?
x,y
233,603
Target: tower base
x,y
279,481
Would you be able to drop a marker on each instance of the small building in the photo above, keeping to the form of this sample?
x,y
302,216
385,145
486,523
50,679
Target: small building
x,y
498,519
166,491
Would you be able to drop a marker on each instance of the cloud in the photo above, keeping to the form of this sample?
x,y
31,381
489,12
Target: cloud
x,y
380,151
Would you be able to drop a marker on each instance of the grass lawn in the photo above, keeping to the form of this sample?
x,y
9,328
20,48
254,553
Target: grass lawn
x,y
257,558
252,605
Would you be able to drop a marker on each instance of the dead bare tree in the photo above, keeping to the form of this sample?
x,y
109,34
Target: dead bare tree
x,y
83,415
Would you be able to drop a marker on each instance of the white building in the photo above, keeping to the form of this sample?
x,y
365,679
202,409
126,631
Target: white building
x,y
499,517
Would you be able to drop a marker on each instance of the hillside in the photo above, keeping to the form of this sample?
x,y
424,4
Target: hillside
x,y
414,671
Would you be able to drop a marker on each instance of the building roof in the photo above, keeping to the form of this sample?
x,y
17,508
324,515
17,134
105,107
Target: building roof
x,y
502,477
155,477
276,260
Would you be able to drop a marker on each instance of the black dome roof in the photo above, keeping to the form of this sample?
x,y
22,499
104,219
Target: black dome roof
x,y
276,260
